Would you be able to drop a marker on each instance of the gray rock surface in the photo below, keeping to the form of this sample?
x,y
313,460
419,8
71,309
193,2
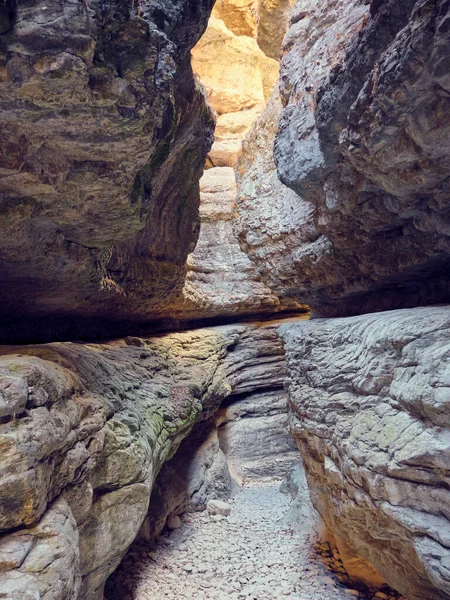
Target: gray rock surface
x,y
221,280
253,554
369,398
253,435
363,140
98,110
77,466
198,471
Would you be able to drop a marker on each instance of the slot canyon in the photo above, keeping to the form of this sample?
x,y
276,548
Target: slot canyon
x,y
224,299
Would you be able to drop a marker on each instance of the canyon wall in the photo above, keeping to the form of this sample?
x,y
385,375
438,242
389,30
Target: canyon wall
x,y
84,432
362,140
235,64
98,109
369,407
350,215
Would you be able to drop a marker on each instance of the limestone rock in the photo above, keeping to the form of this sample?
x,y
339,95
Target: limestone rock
x,y
220,279
217,507
363,140
198,471
237,75
174,522
13,394
273,20
369,398
254,437
78,465
98,109
235,71
240,16
272,222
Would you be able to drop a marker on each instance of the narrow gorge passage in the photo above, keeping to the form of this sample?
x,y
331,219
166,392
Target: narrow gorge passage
x,y
252,553
261,551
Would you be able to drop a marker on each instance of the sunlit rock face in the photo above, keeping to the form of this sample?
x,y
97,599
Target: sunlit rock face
x,y
221,280
363,140
84,432
98,110
237,75
238,78
273,20
369,408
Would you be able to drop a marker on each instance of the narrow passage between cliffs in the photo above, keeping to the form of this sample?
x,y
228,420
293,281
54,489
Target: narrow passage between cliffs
x,y
257,552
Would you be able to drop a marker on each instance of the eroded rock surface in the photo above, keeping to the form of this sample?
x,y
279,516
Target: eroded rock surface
x,y
363,141
221,280
86,434
369,402
253,435
99,109
238,77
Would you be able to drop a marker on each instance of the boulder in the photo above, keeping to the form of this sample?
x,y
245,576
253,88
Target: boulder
x,y
218,507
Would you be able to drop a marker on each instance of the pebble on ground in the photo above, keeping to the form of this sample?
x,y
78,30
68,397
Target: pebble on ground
x,y
249,555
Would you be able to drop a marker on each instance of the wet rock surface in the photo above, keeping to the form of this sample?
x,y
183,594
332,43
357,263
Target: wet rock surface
x,y
368,400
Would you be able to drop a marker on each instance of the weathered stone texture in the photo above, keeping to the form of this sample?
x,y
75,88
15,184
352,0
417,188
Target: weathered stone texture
x,y
273,21
238,78
369,408
98,110
272,223
221,280
80,455
363,140
253,435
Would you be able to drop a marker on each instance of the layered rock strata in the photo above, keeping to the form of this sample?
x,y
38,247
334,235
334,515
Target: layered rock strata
x,y
363,142
98,110
237,77
252,433
368,400
221,281
84,431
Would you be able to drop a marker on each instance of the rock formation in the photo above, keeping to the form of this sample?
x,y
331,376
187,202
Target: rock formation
x,y
363,141
107,230
359,222
253,435
98,110
221,280
369,402
237,77
84,431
